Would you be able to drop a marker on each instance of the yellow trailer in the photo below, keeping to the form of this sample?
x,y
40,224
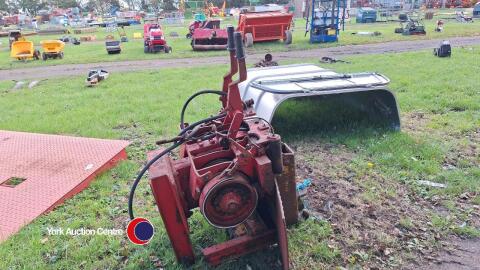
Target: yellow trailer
x,y
24,50
52,49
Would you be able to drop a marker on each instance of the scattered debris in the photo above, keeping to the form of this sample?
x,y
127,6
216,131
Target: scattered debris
x,y
331,60
444,50
34,83
88,38
267,62
304,184
365,33
95,76
19,85
439,26
69,39
431,184
461,17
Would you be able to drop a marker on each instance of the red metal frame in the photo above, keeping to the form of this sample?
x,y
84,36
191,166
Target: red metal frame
x,y
265,26
229,171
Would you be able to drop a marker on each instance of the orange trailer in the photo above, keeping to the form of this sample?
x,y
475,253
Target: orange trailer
x,y
265,26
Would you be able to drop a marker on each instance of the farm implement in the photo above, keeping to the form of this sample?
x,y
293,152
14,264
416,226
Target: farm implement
x,y
52,49
208,35
265,26
24,50
235,168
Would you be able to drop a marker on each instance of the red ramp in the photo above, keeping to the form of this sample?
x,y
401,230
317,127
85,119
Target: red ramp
x,y
39,172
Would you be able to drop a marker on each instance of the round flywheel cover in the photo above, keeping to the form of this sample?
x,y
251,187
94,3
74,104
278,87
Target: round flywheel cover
x,y
227,202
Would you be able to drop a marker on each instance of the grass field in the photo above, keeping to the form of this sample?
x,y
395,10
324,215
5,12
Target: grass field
x,y
439,101
92,52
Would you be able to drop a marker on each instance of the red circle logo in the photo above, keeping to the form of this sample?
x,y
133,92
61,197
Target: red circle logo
x,y
140,231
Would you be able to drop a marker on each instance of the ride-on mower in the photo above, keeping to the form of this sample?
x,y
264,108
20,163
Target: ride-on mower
x,y
208,35
154,39
231,166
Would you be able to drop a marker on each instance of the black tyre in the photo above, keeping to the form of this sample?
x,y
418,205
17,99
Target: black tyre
x,y
145,49
44,56
248,40
288,37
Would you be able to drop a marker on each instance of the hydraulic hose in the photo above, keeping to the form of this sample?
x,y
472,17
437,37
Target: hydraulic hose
x,y
185,105
164,152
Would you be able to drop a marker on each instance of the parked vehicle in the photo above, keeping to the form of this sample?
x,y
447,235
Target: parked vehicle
x,y
154,39
366,15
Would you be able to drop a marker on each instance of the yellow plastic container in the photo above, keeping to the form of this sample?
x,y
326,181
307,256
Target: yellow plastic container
x,y
137,35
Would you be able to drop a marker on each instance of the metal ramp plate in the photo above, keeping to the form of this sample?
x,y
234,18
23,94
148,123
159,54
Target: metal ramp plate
x,y
38,172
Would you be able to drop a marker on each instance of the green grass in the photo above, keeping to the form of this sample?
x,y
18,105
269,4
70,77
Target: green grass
x,y
144,106
93,52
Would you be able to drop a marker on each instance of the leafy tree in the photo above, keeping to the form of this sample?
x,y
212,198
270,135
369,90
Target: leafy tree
x,y
29,6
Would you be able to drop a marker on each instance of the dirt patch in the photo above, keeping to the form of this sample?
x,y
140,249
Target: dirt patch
x,y
415,122
467,153
463,254
378,223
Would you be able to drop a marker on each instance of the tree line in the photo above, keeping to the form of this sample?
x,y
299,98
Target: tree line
x,y
33,6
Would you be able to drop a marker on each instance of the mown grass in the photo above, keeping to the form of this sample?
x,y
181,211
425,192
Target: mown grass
x,y
94,52
144,106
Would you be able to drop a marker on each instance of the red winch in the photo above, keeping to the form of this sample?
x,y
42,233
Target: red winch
x,y
234,168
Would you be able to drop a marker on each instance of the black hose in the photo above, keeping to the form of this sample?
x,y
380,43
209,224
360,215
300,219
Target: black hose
x,y
185,105
142,172
201,122
164,152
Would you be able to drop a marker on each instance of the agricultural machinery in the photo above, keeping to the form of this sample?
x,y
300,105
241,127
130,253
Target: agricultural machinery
x,y
410,26
154,39
265,26
231,166
14,35
236,169
476,10
52,49
207,35
324,20
443,50
24,50
112,46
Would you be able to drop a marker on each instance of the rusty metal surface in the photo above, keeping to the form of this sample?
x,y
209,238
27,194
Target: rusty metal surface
x,y
286,185
281,229
54,168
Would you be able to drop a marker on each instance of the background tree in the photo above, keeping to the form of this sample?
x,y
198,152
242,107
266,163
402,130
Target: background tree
x,y
28,6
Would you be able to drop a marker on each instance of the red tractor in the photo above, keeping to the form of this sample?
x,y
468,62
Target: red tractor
x,y
154,39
